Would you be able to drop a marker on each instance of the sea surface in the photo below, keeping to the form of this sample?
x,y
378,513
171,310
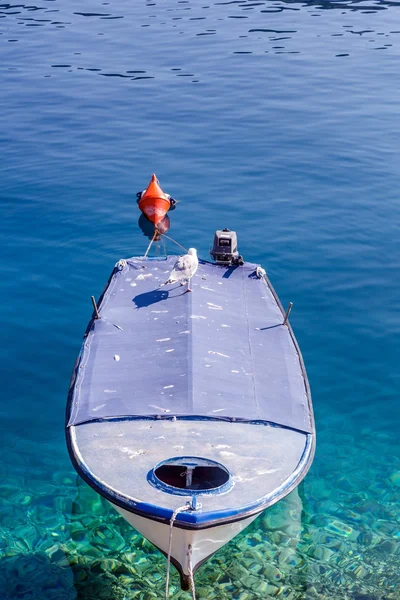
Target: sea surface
x,y
279,119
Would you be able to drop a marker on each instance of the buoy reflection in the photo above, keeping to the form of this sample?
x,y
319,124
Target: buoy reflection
x,y
148,228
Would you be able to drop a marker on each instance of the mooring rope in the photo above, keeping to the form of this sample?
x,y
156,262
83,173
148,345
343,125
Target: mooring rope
x,y
171,524
190,569
175,242
162,235
151,243
164,246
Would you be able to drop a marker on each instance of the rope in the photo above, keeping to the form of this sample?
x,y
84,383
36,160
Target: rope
x,y
152,240
162,235
171,524
175,242
190,569
164,246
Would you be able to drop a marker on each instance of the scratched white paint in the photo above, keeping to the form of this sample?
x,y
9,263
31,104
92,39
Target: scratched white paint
x,y
197,317
165,410
163,340
137,453
170,350
239,479
218,353
267,472
212,306
110,391
116,357
96,408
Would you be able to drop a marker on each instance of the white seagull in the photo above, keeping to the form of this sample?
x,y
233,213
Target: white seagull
x,y
184,269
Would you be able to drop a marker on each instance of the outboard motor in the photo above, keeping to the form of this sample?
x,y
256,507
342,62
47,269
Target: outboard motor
x,y
225,250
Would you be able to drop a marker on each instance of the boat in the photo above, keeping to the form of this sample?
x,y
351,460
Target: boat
x,y
190,413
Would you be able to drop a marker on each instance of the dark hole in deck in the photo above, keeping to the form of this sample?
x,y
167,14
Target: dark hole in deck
x,y
192,477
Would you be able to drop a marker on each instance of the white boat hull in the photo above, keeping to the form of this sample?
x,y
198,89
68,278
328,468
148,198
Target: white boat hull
x,y
203,542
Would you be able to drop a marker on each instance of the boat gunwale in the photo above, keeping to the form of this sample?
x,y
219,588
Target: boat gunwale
x,y
193,519
299,354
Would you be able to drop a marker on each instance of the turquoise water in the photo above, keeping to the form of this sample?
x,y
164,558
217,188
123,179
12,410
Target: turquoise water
x,y
279,119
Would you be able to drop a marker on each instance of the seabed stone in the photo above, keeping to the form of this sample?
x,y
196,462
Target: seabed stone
x,y
395,478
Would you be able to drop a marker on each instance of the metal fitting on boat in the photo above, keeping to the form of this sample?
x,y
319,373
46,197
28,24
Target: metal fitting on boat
x,y
121,264
193,503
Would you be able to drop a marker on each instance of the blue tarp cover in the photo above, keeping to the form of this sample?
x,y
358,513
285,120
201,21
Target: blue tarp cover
x,y
218,351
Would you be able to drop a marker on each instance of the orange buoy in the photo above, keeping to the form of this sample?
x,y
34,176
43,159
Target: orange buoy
x,y
154,203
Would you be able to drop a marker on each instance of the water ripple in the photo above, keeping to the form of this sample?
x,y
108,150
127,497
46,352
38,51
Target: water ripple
x,y
240,45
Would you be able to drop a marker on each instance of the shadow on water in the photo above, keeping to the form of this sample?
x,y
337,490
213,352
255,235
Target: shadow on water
x,y
36,577
91,582
108,559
